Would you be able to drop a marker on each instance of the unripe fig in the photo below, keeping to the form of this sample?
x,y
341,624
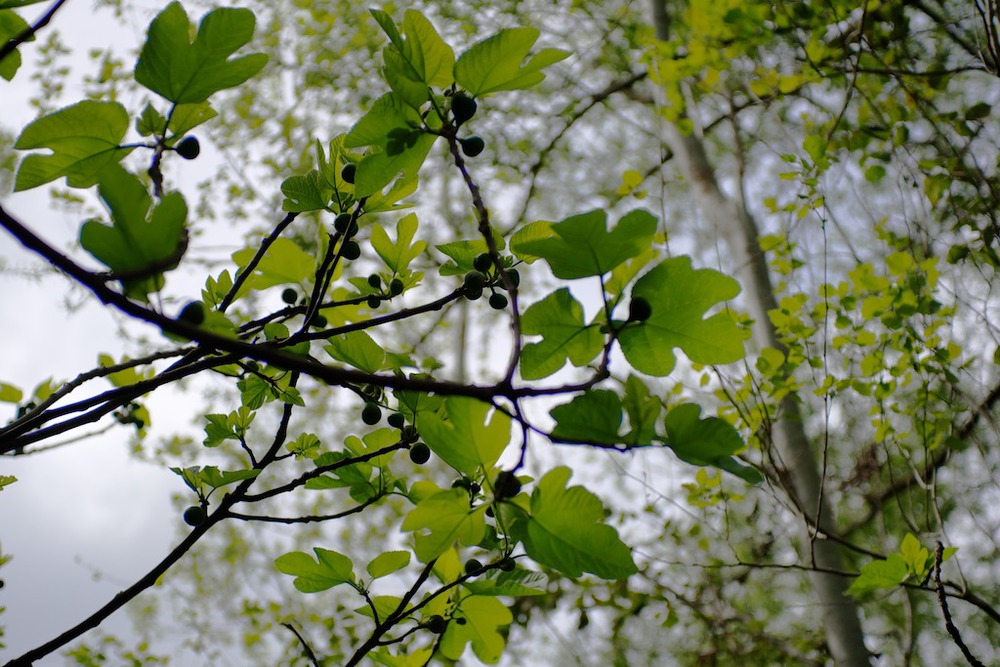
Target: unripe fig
x,y
473,566
639,310
371,414
472,146
507,485
348,172
351,250
463,108
482,262
188,148
374,281
373,302
435,624
395,287
319,321
289,296
420,453
195,515
342,222
474,280
507,564
396,420
513,276
498,301
193,313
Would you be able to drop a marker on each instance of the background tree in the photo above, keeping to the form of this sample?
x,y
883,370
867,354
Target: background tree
x,y
881,233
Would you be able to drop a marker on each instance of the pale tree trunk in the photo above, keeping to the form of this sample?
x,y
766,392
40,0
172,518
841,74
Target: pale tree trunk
x,y
791,444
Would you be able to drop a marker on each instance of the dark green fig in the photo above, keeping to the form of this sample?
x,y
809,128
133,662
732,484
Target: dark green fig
x,y
435,624
472,566
482,262
348,172
513,276
639,310
474,294
342,222
253,365
409,433
463,108
374,281
373,302
371,414
351,250
289,296
498,301
319,321
507,485
472,146
195,515
396,420
395,287
474,280
188,148
420,453
193,313
460,620
507,564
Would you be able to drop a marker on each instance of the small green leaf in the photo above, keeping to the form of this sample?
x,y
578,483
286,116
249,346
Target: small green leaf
x,y
397,256
418,58
184,72
558,318
879,574
216,478
516,583
358,349
566,531
581,246
441,520
305,446
306,192
643,412
84,139
592,417
312,576
387,563
11,25
137,240
706,442
284,263
679,297
495,63
463,441
10,394
6,480
484,616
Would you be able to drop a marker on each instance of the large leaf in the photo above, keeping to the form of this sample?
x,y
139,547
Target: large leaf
x,y
495,63
182,71
311,576
566,531
679,297
417,58
581,245
483,618
378,128
558,318
11,25
136,239
706,442
592,417
463,441
283,263
441,520
84,140
357,349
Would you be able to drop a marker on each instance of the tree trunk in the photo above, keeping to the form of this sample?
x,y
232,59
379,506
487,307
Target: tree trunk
x,y
735,224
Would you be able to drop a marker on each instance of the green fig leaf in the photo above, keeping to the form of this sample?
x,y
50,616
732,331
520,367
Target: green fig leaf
x,y
592,417
442,519
189,72
706,442
467,441
329,569
558,319
484,616
679,297
137,239
495,63
581,246
565,530
84,139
